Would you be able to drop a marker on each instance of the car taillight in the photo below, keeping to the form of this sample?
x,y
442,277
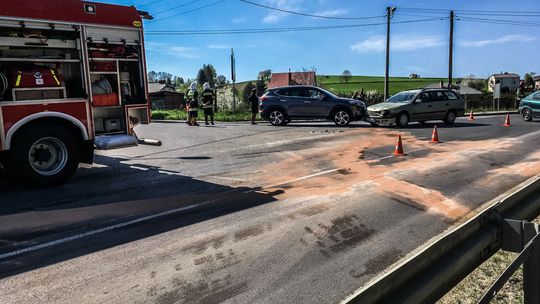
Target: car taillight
x,y
263,98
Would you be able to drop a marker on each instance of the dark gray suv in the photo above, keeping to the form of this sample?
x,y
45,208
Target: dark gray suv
x,y
280,105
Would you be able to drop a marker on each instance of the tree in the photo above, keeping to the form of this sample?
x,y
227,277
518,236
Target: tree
x,y
247,91
529,81
179,81
346,76
201,77
210,73
261,86
152,76
265,75
221,80
477,84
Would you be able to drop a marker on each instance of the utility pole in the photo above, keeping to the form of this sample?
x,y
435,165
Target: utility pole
x,y
389,12
450,49
233,78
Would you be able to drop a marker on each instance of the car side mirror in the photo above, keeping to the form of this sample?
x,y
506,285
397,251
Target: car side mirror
x,y
418,101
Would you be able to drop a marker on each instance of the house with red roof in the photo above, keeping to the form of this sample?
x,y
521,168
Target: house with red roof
x,y
292,78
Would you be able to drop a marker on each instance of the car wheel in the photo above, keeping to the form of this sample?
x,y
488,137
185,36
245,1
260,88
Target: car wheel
x,y
342,117
277,117
44,156
374,124
526,114
450,118
402,120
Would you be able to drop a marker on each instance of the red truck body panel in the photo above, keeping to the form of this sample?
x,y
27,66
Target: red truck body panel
x,y
72,11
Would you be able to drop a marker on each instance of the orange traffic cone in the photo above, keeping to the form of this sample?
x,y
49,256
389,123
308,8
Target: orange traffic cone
x,y
507,121
471,116
434,136
398,151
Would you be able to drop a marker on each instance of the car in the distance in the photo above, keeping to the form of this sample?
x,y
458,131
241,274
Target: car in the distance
x,y
281,105
529,106
418,105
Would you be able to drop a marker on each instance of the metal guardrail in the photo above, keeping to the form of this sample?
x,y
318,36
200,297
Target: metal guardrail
x,y
432,272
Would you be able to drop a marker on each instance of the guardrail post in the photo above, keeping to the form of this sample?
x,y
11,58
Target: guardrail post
x,y
531,269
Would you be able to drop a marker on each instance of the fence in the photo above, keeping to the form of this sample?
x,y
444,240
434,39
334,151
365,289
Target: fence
x,y
431,273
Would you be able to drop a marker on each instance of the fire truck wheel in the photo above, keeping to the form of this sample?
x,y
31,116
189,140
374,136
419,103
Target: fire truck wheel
x,y
44,155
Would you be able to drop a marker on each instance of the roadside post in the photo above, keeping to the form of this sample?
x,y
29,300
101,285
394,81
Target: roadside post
x,y
497,95
233,78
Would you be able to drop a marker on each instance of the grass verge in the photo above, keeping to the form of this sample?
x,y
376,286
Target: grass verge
x,y
219,116
473,287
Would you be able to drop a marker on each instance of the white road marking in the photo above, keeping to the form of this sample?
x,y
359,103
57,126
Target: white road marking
x,y
170,173
139,168
101,230
297,179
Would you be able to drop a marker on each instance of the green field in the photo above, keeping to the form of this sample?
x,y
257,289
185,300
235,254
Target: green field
x,y
336,84
369,83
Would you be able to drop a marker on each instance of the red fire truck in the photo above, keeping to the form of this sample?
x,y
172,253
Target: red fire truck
x,y
71,73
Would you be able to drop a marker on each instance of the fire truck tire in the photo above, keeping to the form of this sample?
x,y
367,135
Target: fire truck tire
x,y
44,155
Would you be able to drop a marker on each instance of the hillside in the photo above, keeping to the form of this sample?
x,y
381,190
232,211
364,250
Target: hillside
x,y
369,83
335,84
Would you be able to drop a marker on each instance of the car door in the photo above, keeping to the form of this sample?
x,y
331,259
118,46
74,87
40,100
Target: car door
x,y
454,102
294,101
535,104
439,105
421,107
317,103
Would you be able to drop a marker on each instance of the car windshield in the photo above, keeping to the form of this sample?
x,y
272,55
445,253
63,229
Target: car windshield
x,y
402,97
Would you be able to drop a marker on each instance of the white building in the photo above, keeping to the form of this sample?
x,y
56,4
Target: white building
x,y
507,80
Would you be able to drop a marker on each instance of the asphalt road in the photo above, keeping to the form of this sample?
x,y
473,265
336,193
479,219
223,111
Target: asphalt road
x,y
235,213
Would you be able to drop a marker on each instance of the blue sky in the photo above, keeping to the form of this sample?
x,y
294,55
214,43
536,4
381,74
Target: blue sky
x,y
480,48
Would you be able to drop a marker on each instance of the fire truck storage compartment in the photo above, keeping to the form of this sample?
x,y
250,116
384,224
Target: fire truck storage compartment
x,y
38,64
109,120
117,53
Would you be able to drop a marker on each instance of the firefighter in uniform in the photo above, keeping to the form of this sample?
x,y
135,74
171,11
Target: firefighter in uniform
x,y
208,98
192,104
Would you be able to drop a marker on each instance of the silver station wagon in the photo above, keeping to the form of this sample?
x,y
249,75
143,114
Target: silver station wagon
x,y
418,105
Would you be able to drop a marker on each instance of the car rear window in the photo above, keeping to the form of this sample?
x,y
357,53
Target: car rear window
x,y
437,96
297,92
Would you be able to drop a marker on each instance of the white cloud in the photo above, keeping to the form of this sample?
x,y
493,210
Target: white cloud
x,y
239,20
502,39
397,43
218,46
273,17
297,6
172,50
332,12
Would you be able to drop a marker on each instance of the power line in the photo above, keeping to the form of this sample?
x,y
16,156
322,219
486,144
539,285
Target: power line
x,y
472,12
188,11
306,14
280,29
499,21
173,8
417,9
